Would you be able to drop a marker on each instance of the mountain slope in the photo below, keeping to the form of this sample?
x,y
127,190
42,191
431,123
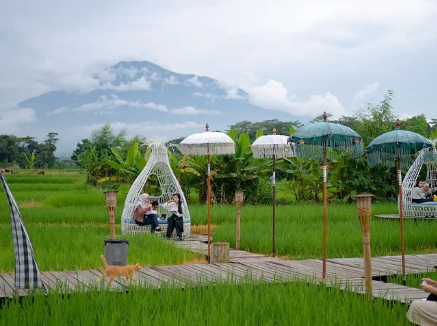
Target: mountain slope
x,y
145,99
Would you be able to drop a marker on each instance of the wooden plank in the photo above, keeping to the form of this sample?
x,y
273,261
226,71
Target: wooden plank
x,y
172,272
148,281
162,278
221,270
9,278
6,289
248,273
84,278
49,281
64,281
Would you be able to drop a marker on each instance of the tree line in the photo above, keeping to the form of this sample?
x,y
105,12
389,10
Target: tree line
x,y
108,154
26,152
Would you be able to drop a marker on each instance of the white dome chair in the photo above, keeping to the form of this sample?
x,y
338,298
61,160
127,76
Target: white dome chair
x,y
427,157
158,165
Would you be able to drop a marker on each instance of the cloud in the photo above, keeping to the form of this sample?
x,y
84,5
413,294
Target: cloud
x,y
366,91
141,84
112,102
146,127
208,96
13,119
189,110
106,75
232,94
274,96
194,81
171,80
58,111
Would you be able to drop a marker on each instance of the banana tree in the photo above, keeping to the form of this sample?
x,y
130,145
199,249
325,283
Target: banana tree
x,y
240,171
128,168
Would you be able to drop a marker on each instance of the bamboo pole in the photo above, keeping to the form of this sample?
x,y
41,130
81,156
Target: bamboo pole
x,y
209,204
364,208
274,208
239,199
401,218
325,210
111,205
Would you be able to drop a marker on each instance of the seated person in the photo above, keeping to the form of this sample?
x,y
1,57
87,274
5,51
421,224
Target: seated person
x,y
418,196
176,220
145,213
428,193
425,312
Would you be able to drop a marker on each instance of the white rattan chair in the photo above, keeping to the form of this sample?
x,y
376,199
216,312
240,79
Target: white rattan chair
x,y
427,157
158,165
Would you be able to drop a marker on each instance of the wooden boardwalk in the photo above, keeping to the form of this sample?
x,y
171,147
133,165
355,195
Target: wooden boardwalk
x,y
348,273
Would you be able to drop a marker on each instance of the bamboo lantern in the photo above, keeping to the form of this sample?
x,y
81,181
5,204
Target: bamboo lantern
x,y
239,199
111,205
364,209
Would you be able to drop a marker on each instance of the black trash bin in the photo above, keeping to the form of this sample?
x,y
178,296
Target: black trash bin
x,y
116,251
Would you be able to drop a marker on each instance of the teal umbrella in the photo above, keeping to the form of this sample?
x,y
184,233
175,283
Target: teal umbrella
x,y
396,146
321,140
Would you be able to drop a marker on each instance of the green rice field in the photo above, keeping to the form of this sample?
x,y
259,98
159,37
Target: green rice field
x,y
67,222
297,303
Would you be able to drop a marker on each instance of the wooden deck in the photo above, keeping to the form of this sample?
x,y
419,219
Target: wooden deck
x,y
348,273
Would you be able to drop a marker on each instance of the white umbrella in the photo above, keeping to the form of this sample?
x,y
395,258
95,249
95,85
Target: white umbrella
x,y
208,143
275,146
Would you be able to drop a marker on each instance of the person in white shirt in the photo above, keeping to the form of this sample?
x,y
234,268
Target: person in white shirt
x,y
176,219
418,195
145,213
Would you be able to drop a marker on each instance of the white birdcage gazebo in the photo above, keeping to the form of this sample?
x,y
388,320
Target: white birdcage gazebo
x,y
158,165
427,157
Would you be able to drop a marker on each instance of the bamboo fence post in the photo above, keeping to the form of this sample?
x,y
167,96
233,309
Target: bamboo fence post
x,y
239,199
364,209
111,205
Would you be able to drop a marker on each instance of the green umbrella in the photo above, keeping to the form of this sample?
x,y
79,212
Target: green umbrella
x,y
320,140
396,146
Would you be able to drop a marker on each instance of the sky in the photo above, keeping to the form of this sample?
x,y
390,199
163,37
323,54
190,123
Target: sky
x,y
291,56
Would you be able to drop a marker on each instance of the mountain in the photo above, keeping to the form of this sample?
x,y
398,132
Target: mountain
x,y
145,99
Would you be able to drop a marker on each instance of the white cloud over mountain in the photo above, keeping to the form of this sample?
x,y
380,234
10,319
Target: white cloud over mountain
x,y
13,120
109,103
366,91
190,110
274,96
146,126
140,84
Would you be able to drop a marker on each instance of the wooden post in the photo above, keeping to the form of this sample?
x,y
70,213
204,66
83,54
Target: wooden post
x,y
401,218
325,210
111,205
364,208
239,199
274,208
220,252
209,205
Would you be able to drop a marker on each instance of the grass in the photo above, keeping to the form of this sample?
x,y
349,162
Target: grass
x,y
299,230
228,304
73,213
67,222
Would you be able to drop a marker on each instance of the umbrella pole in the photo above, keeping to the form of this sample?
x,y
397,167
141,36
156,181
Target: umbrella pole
x,y
401,218
325,209
209,205
274,207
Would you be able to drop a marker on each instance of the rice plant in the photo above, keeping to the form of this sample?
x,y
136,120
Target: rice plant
x,y
297,303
